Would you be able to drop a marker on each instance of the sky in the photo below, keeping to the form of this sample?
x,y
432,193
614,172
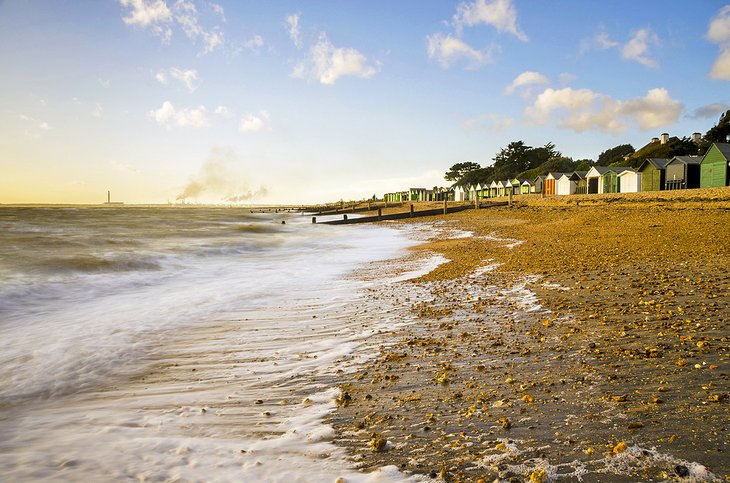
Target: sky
x,y
219,101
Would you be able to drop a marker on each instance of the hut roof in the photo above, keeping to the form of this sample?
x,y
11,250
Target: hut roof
x,y
686,160
576,175
658,163
724,149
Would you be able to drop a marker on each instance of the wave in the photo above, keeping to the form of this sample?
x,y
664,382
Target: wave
x,y
93,264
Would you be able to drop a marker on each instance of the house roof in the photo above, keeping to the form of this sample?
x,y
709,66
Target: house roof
x,y
686,160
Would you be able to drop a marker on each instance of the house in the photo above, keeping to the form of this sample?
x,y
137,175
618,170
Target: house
x,y
629,181
581,184
527,187
565,185
653,172
715,166
682,172
538,184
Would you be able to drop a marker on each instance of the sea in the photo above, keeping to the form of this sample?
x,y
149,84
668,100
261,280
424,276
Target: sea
x,y
183,344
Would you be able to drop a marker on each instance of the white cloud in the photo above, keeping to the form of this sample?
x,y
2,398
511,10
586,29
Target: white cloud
x,y
98,111
218,9
583,109
493,123
159,18
604,42
223,111
42,125
292,22
167,115
500,14
447,50
636,48
567,78
146,12
105,83
188,77
719,33
254,43
122,167
526,78
328,63
255,122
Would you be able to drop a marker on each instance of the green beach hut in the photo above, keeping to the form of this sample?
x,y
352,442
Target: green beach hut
x,y
715,168
653,172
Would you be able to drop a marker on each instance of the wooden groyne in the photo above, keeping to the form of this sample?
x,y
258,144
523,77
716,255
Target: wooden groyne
x,y
407,214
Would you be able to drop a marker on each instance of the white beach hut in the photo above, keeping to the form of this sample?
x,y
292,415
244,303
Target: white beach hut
x,y
629,181
565,185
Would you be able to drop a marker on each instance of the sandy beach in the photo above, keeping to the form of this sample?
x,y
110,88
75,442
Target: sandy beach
x,y
581,337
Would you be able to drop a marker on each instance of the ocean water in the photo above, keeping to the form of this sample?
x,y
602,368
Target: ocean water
x,y
180,344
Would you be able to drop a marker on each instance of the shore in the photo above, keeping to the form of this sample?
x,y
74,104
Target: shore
x,y
568,338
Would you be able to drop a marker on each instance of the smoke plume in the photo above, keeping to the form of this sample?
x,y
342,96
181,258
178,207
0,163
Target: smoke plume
x,y
218,179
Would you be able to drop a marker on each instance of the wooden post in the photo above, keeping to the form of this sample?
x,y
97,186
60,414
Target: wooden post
x,y
314,219
344,217
380,214
411,210
446,206
476,202
510,198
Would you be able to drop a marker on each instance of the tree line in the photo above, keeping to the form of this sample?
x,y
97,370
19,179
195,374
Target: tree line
x,y
518,160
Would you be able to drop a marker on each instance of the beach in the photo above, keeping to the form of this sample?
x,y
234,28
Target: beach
x,y
568,338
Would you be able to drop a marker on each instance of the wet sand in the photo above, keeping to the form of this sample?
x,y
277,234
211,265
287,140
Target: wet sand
x,y
573,337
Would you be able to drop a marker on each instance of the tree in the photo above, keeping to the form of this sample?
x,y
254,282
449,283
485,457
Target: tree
x,y
719,132
615,154
457,171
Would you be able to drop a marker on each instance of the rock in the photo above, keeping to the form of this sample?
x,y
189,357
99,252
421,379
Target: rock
x,y
682,471
620,448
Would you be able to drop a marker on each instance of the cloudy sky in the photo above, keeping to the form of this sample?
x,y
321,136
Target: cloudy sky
x,y
278,102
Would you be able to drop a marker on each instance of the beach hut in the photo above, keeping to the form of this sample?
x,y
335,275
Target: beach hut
x,y
581,184
565,185
715,166
493,189
500,188
526,187
516,183
459,193
682,172
594,179
549,185
652,172
473,189
538,184
629,181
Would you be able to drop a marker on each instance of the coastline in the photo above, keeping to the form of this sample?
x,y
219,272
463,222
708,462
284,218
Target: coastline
x,y
568,338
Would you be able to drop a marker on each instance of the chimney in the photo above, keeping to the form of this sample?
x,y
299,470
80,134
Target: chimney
x,y
665,137
696,137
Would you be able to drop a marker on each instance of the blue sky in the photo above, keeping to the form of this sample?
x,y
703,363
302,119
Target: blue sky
x,y
289,102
